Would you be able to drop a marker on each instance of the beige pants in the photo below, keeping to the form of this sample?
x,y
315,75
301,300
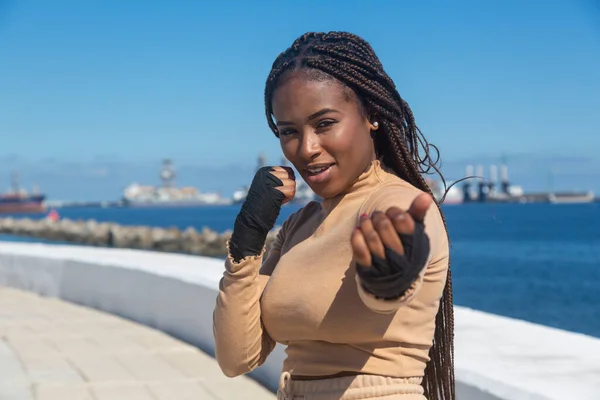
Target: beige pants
x,y
360,387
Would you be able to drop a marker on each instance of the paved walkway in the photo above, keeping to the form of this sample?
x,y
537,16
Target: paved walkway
x,y
54,350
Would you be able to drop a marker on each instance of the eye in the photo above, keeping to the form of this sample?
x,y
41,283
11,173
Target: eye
x,y
326,123
286,132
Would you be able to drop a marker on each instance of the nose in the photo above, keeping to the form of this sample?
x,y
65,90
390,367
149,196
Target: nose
x,y
310,146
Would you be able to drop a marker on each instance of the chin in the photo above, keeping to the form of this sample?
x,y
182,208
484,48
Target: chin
x,y
326,191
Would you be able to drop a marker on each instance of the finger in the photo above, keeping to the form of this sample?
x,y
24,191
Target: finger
x,y
279,173
283,172
288,191
402,220
288,188
387,233
371,236
290,172
287,182
360,250
419,206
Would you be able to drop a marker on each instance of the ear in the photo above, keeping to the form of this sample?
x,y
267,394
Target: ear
x,y
373,123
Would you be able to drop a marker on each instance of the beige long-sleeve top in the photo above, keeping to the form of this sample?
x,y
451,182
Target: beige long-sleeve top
x,y
305,294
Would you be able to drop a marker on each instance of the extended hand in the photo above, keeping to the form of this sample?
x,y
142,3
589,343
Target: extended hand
x,y
391,248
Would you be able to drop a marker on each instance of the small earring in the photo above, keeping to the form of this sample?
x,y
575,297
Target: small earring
x,y
376,124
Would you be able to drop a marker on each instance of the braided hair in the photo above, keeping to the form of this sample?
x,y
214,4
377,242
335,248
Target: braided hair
x,y
351,60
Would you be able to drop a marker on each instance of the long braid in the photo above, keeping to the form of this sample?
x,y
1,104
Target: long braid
x,y
351,60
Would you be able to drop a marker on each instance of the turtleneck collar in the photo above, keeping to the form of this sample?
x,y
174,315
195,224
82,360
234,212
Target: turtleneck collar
x,y
366,181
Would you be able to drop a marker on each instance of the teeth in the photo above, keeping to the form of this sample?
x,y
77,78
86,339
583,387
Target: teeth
x,y
316,171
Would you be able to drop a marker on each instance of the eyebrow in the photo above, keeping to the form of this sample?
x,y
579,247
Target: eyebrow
x,y
312,116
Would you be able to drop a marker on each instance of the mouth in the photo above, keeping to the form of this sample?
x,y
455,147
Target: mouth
x,y
318,173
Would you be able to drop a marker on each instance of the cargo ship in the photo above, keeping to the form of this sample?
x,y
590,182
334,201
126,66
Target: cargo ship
x,y
571,197
18,201
168,194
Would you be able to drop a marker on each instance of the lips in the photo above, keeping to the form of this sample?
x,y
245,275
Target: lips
x,y
318,173
317,168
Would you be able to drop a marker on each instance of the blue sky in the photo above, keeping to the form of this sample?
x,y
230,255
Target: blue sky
x,y
93,94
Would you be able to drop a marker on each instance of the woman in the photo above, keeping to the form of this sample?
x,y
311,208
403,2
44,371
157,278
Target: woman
x,y
357,286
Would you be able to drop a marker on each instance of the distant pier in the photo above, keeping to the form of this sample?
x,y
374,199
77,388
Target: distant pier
x,y
494,190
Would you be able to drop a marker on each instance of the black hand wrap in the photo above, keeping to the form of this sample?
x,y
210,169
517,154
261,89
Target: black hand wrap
x,y
257,215
391,277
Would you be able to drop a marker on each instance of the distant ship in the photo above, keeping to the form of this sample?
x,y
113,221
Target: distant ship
x,y
17,201
168,195
571,197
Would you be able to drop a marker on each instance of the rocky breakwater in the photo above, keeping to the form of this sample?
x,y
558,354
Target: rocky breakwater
x,y
108,234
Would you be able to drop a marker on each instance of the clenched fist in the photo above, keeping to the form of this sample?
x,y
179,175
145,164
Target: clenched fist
x,y
391,248
270,189
288,182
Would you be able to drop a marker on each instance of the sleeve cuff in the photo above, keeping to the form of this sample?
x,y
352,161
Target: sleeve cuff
x,y
238,268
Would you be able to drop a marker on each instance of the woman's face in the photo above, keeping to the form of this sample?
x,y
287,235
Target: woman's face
x,y
323,132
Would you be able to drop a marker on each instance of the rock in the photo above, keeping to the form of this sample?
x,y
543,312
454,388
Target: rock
x,y
191,241
90,232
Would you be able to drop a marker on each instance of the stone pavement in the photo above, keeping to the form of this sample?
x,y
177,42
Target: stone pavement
x,y
54,350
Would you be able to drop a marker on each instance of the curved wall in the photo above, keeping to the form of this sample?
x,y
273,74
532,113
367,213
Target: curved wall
x,y
496,357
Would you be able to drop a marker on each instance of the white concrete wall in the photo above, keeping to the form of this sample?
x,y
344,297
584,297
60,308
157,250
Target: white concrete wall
x,y
496,357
